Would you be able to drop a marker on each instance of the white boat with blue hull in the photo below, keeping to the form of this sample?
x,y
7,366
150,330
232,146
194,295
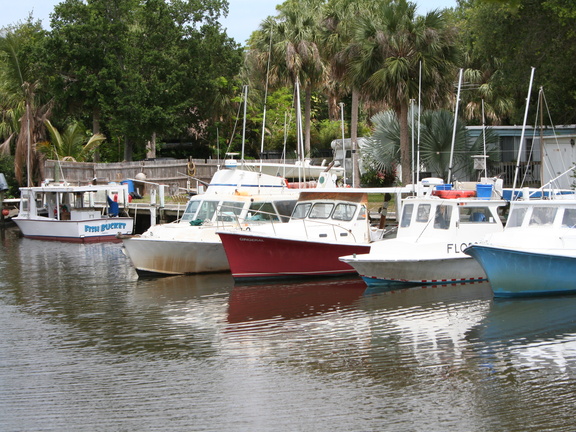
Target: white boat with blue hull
x,y
536,252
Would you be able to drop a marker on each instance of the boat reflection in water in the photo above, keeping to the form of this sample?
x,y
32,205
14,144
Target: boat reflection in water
x,y
296,299
529,333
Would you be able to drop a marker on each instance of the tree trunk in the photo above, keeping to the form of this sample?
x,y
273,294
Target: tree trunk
x,y
96,130
151,147
354,139
128,147
307,114
404,144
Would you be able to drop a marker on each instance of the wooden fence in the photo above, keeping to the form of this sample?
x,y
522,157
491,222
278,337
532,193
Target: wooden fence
x,y
178,174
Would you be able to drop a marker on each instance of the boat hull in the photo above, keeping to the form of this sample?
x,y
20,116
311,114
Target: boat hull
x,y
516,273
424,272
172,257
83,231
261,257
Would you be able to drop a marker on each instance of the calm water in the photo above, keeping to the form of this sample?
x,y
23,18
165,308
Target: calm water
x,y
87,346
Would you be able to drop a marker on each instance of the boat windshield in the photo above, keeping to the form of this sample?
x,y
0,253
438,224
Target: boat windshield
x,y
542,216
229,211
190,212
516,217
262,211
321,211
423,213
569,218
301,210
442,217
475,214
200,211
344,212
407,215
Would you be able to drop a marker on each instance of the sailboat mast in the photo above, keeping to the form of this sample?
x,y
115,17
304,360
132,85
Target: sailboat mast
x,y
522,134
454,129
244,121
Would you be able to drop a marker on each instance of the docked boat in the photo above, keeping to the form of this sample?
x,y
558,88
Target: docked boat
x,y
80,214
324,225
536,252
191,245
429,245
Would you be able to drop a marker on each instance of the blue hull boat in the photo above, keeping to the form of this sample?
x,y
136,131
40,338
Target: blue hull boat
x,y
515,273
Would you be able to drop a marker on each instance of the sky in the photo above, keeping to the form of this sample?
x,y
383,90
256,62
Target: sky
x,y
244,16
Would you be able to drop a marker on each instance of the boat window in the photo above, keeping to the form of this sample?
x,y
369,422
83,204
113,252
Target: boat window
x,y
207,210
363,213
301,210
516,217
475,214
344,212
262,211
321,211
229,211
423,213
442,217
542,216
406,215
285,208
569,218
190,212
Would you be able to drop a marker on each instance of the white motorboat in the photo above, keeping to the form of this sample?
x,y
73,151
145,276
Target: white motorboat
x,y
429,246
191,245
81,214
324,225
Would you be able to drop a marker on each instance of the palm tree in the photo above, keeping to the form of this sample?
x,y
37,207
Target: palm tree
x,y
483,100
18,90
436,129
340,17
392,45
295,55
70,145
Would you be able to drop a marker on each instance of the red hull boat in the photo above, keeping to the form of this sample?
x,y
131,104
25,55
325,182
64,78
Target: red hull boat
x,y
253,256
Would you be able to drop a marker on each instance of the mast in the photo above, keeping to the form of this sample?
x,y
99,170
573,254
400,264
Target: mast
x,y
454,129
523,131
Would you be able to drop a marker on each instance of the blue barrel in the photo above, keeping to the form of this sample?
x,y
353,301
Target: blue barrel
x,y
484,191
130,184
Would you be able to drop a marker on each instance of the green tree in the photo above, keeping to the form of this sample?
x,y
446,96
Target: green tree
x,y
521,35
153,73
392,44
435,146
72,145
295,53
340,19
23,106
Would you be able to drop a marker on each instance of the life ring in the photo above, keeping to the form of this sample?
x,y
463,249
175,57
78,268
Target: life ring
x,y
191,167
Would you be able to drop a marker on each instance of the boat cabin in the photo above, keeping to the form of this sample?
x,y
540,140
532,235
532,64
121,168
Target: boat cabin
x,y
71,203
205,209
435,217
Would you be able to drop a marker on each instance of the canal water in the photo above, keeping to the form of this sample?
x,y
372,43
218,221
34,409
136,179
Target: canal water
x,y
85,345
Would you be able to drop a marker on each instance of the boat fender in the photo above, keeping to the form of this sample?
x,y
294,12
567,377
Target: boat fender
x,y
191,167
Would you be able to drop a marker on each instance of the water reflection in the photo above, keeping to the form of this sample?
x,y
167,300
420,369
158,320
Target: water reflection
x,y
284,301
534,333
87,345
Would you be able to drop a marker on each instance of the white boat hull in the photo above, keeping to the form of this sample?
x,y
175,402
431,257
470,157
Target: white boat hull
x,y
83,231
425,271
175,256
